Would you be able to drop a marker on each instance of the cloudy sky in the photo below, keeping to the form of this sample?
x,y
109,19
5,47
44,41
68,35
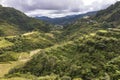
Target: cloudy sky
x,y
56,8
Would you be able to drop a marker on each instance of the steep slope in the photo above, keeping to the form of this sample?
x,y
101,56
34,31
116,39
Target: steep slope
x,y
14,20
111,14
108,18
8,29
65,20
89,49
81,27
11,46
90,57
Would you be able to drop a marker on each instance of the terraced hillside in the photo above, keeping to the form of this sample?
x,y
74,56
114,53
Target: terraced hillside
x,y
90,57
25,43
17,50
88,49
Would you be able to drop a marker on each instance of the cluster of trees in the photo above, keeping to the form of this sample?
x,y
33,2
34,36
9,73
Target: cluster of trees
x,y
20,22
24,43
9,56
88,49
30,42
92,57
110,14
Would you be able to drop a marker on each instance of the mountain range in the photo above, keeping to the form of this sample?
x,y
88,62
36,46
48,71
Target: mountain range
x,y
66,19
85,48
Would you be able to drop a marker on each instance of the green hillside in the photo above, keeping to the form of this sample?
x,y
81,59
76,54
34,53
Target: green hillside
x,y
90,57
24,43
88,49
14,22
111,14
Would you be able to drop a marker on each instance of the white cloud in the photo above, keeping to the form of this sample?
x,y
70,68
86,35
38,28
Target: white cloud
x,y
56,8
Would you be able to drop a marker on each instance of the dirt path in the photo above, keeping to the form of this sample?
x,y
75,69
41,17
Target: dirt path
x,y
5,67
23,58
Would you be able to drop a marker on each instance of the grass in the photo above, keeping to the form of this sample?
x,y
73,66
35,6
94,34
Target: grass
x,y
5,43
51,77
5,67
88,48
15,78
23,58
50,35
30,33
9,29
9,56
103,31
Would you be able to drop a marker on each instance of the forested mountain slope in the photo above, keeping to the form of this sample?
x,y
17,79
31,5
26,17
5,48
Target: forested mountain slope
x,y
67,19
88,49
111,14
14,22
90,57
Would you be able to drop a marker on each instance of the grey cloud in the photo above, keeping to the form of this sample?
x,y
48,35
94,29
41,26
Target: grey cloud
x,y
29,5
56,7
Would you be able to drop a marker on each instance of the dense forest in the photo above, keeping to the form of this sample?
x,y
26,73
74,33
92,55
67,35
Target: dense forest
x,y
87,49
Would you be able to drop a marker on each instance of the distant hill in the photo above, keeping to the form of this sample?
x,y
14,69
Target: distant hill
x,y
66,19
14,22
111,14
86,49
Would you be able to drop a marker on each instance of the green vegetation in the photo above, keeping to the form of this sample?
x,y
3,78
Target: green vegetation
x,y
88,49
13,22
12,46
5,43
9,56
7,29
88,57
110,14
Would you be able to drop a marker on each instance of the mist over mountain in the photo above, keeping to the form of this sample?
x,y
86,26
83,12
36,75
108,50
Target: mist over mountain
x,y
66,19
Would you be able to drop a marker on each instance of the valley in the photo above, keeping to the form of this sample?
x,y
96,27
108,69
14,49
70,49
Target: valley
x,y
86,49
